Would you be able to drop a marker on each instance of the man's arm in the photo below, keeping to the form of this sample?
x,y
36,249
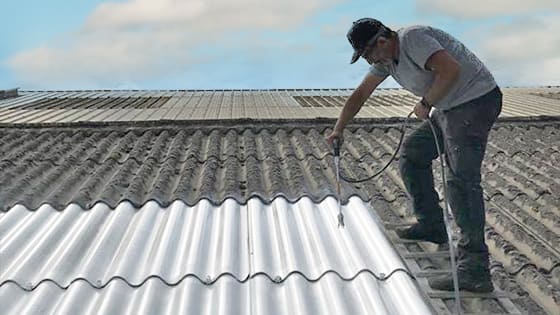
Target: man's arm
x,y
357,99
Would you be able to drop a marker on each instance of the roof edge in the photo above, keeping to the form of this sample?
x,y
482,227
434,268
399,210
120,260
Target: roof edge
x,y
260,90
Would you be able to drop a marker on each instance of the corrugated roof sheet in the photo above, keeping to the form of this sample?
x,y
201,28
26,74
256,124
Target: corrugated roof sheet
x,y
86,165
111,164
259,251
75,106
204,241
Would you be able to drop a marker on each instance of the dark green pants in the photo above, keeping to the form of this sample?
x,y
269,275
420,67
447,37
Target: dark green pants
x,y
462,133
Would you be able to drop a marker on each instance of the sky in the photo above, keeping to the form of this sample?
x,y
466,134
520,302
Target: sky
x,y
253,44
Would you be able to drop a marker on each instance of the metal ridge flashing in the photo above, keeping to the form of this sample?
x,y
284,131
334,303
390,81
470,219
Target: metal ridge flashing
x,y
263,89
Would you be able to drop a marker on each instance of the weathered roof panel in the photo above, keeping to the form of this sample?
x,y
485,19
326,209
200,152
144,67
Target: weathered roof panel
x,y
112,164
61,106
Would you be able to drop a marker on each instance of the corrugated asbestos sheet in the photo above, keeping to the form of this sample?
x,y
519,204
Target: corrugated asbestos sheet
x,y
230,259
203,241
92,106
86,165
122,240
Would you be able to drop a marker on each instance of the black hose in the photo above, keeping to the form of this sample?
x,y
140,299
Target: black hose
x,y
393,157
447,221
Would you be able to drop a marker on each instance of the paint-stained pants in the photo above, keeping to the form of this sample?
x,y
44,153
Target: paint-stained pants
x,y
463,134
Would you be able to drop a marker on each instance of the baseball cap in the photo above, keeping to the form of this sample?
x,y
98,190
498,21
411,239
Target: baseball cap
x,y
362,33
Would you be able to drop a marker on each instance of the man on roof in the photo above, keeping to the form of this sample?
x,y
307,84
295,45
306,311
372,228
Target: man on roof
x,y
464,101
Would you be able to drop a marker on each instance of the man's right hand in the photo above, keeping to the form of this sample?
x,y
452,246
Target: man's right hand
x,y
421,111
335,135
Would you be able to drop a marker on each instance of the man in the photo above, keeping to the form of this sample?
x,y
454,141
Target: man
x,y
466,102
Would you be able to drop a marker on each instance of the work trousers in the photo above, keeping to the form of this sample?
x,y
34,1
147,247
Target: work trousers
x,y
462,133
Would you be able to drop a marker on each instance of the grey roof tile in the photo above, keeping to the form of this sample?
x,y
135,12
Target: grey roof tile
x,y
84,165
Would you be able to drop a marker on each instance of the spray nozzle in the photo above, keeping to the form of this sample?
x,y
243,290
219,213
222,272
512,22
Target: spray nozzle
x,y
340,220
336,146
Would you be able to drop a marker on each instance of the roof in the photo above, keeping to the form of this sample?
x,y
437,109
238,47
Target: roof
x,y
80,106
202,249
4,94
251,203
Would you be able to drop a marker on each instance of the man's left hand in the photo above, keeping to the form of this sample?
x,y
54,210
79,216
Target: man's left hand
x,y
421,111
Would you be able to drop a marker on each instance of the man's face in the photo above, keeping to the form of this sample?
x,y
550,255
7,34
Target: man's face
x,y
379,53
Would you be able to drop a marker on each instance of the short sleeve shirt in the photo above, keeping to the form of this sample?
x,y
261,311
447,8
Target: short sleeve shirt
x,y
416,45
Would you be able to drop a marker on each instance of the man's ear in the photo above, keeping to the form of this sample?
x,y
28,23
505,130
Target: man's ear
x,y
382,41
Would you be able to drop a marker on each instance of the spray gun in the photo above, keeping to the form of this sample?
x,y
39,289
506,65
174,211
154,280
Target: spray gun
x,y
336,148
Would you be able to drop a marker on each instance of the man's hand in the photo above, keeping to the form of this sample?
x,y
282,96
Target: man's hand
x,y
421,111
335,134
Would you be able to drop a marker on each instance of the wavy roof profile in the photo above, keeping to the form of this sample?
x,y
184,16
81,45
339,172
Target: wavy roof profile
x,y
184,248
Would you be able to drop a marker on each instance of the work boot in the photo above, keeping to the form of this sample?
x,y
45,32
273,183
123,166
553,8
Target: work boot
x,y
434,233
480,282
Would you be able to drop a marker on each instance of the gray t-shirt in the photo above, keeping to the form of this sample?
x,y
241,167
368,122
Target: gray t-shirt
x,y
417,44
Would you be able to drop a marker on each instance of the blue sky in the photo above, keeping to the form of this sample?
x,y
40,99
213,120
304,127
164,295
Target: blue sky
x,y
225,44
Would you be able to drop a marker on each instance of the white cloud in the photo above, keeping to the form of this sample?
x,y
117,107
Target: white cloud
x,y
485,8
523,52
204,15
134,40
338,28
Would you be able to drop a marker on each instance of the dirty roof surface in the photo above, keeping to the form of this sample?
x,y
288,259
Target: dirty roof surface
x,y
107,106
111,164
157,149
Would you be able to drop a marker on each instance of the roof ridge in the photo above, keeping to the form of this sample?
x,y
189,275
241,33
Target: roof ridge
x,y
260,89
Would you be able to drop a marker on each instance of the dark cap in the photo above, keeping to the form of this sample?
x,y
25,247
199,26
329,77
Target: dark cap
x,y
361,34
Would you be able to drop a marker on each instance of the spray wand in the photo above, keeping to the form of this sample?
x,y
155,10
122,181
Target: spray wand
x,y
336,148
